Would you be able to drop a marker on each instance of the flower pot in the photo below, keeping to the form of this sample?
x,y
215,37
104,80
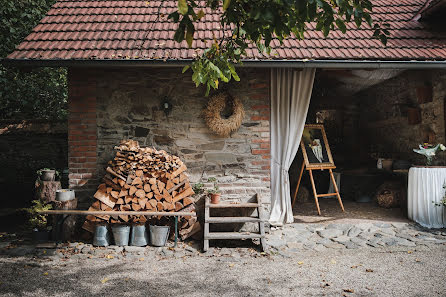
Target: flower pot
x,y
48,175
121,234
101,236
158,235
215,198
41,236
64,195
139,236
387,164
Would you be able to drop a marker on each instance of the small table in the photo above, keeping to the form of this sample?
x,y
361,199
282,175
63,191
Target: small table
x,y
425,188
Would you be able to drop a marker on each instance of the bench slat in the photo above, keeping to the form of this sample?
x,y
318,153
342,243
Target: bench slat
x,y
117,213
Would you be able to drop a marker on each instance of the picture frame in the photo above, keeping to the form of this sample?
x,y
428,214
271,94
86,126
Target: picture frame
x,y
315,148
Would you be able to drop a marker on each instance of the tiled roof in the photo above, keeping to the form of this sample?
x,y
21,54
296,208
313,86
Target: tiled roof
x,y
111,29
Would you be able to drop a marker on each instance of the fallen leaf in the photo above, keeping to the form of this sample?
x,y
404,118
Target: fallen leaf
x,y
141,259
354,266
300,262
409,252
45,273
104,280
369,270
417,260
109,257
231,265
349,291
44,251
333,261
126,279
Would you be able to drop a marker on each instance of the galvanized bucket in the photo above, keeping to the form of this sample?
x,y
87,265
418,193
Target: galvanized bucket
x,y
139,236
121,234
101,236
65,195
158,235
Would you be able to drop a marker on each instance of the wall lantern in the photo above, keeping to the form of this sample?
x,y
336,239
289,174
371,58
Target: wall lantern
x,y
166,106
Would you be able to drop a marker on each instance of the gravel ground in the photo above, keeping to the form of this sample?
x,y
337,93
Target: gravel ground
x,y
391,271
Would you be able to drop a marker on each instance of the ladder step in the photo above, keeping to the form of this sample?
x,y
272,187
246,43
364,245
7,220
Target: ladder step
x,y
327,195
232,235
232,220
233,205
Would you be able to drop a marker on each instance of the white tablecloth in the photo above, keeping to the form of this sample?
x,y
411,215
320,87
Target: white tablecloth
x,y
424,188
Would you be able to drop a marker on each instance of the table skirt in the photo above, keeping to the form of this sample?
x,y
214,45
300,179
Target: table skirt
x,y
425,188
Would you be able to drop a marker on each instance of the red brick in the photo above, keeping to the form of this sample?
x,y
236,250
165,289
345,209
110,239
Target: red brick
x,y
266,167
258,96
266,179
259,118
261,140
260,152
266,156
259,163
265,145
263,106
258,86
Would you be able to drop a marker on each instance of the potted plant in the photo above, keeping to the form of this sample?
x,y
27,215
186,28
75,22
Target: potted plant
x,y
429,151
39,222
47,174
214,192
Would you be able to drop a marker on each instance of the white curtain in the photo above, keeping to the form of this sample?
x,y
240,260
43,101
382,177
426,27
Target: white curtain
x,y
290,97
425,189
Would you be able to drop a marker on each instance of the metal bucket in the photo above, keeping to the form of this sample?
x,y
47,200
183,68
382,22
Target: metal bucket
x,y
139,236
158,235
121,234
101,236
65,195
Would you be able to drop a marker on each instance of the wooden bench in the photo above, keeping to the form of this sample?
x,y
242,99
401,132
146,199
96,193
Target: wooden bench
x,y
66,213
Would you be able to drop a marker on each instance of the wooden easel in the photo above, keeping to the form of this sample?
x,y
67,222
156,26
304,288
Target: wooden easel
x,y
316,195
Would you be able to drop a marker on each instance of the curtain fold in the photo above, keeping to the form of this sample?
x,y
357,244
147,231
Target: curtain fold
x,y
290,97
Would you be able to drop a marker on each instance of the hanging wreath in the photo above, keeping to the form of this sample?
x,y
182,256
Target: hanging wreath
x,y
214,120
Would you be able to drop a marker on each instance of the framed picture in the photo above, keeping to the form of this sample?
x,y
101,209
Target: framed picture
x,y
315,147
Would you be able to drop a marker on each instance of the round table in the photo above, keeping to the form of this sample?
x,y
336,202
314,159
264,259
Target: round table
x,y
425,188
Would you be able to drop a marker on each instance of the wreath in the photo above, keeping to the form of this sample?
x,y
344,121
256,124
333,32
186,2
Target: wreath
x,y
212,114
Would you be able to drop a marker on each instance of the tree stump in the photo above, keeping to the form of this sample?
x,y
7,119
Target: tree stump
x,y
46,190
67,229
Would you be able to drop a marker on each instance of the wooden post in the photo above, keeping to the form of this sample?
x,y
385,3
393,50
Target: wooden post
x,y
314,191
298,184
336,189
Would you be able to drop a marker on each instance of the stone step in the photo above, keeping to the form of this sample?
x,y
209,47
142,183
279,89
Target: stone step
x,y
229,220
233,205
232,235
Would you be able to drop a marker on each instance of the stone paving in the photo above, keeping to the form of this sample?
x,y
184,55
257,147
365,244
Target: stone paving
x,y
320,237
286,242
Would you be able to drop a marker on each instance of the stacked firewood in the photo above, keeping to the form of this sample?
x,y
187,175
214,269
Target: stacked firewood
x,y
143,179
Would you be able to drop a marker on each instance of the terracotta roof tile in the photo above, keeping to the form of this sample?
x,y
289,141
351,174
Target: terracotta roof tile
x,y
110,29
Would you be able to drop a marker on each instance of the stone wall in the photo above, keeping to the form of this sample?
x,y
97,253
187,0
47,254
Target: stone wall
x,y
384,115
27,146
129,106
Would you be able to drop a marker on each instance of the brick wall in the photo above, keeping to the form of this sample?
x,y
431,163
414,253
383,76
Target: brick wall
x,y
82,133
117,104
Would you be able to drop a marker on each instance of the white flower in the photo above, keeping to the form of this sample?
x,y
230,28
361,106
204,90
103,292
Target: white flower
x,y
442,147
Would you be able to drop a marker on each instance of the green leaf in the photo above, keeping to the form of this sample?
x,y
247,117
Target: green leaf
x,y
226,4
182,7
200,14
185,68
341,25
189,37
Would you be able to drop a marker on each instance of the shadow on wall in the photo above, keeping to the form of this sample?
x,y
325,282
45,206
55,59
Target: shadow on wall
x,y
25,147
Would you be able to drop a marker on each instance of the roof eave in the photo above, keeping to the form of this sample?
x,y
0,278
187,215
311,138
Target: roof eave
x,y
364,64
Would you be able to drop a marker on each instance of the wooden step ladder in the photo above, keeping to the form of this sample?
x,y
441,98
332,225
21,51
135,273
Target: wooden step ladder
x,y
228,220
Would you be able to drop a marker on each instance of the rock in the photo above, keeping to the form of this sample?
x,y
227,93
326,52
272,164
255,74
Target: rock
x,y
299,237
320,248
315,227
359,241
354,231
404,242
342,227
87,250
364,226
4,244
300,227
382,225
330,233
225,252
388,231
400,225
116,249
190,249
341,239
310,245
350,245
389,241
